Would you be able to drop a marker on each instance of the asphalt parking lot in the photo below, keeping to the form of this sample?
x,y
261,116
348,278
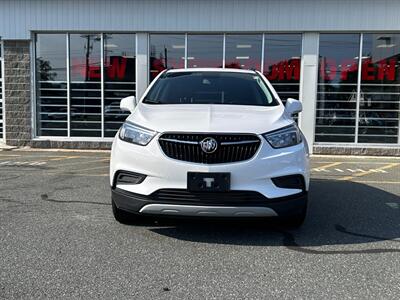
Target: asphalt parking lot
x,y
58,238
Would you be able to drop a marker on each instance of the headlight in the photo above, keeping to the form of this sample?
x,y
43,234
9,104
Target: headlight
x,y
132,133
284,137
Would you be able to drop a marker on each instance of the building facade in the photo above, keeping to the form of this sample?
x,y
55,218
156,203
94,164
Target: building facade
x,y
66,64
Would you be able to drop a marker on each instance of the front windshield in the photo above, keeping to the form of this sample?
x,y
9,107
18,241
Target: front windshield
x,y
210,88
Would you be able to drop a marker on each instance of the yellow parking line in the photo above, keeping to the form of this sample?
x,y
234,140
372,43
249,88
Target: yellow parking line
x,y
376,181
355,162
370,171
329,165
64,158
9,157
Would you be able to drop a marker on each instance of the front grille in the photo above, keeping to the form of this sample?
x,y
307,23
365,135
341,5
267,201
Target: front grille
x,y
230,147
209,198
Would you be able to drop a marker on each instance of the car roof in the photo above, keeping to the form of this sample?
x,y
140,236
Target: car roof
x,y
225,70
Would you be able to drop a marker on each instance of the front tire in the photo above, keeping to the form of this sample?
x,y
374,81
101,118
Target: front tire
x,y
296,221
120,215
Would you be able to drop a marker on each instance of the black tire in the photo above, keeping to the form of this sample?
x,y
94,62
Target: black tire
x,y
295,221
122,216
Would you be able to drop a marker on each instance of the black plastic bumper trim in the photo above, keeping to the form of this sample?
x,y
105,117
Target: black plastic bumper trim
x,y
283,206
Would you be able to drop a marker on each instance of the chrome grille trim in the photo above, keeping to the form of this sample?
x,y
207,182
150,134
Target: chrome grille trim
x,y
178,141
240,142
232,147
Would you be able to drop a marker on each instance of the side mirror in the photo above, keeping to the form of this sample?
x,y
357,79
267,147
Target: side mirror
x,y
128,104
293,106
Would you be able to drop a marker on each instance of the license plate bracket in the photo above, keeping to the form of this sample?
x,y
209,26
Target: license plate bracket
x,y
208,182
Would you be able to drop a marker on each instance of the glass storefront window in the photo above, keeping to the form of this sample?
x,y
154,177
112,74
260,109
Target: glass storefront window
x,y
337,88
167,51
282,57
85,68
380,89
119,78
205,51
51,75
243,51
95,90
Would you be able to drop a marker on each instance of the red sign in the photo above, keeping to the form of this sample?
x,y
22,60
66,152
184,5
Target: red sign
x,y
370,71
115,70
284,70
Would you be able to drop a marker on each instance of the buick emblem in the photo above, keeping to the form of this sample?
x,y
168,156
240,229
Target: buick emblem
x,y
208,145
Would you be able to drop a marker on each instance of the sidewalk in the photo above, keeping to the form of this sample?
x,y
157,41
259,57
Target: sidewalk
x,y
4,147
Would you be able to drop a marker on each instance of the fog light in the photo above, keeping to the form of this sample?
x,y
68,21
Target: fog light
x,y
125,177
290,182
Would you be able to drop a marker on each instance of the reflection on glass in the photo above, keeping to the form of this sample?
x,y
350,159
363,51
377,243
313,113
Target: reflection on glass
x,y
119,78
380,89
204,51
243,51
282,57
85,69
51,85
167,51
337,88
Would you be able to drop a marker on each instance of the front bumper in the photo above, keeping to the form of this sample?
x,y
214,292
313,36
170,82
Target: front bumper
x,y
254,174
178,202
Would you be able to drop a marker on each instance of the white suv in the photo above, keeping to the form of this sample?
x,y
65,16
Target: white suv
x,y
210,142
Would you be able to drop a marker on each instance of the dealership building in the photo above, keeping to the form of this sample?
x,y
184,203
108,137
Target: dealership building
x,y
66,64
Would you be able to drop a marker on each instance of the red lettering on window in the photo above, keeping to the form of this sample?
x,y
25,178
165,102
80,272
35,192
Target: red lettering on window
x,y
84,69
368,70
292,69
94,72
285,70
348,66
387,70
117,68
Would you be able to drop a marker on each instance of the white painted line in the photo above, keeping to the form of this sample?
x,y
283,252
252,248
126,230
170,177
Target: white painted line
x,y
38,163
377,171
22,163
339,170
320,170
360,157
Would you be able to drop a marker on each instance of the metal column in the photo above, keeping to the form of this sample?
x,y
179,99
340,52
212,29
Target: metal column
x,y
308,85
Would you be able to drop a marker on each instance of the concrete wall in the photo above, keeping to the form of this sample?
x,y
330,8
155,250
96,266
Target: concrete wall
x,y
17,92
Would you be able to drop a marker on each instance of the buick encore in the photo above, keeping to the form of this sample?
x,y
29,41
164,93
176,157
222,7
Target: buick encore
x,y
210,142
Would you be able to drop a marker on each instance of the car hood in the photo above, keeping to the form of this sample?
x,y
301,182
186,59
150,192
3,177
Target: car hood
x,y
209,118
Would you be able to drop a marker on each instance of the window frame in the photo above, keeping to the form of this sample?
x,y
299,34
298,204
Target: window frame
x,y
35,134
34,94
359,83
224,34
